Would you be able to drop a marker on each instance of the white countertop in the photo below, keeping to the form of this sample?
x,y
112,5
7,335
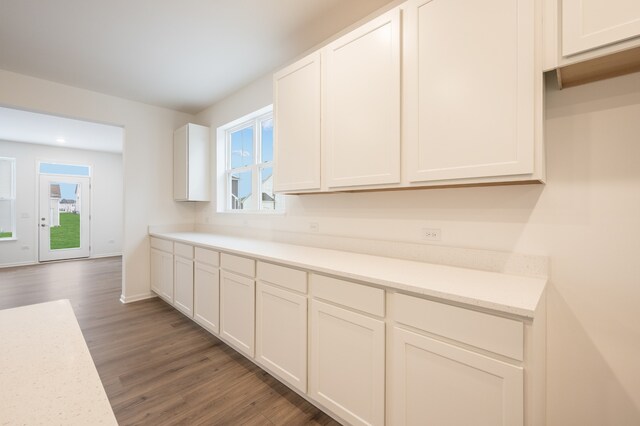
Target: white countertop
x,y
47,375
505,293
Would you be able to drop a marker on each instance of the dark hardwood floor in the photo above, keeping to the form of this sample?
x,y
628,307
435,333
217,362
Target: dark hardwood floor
x,y
157,366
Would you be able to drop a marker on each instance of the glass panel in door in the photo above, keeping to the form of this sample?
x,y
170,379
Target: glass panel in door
x,y
64,215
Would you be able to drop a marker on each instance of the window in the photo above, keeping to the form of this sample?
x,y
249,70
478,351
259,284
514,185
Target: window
x,y
65,169
248,167
7,198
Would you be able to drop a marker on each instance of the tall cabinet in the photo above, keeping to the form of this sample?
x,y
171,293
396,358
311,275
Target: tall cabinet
x,y
191,171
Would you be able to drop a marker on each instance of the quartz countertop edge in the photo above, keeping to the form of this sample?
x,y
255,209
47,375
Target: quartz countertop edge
x,y
48,376
510,294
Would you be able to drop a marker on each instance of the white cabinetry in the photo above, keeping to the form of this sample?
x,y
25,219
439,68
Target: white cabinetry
x,y
191,171
436,383
366,353
237,302
591,24
347,351
162,268
281,323
478,367
206,283
297,126
183,281
469,86
361,112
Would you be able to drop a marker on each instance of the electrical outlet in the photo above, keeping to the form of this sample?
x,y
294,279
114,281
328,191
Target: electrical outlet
x,y
431,234
314,226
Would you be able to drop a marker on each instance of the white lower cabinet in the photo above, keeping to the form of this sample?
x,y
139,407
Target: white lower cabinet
x,y
366,354
183,297
347,363
206,298
435,383
237,311
281,333
162,274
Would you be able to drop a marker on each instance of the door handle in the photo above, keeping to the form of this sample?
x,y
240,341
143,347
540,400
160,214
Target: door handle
x,y
43,225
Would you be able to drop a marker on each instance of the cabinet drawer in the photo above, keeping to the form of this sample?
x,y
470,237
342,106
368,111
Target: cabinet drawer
x,y
183,250
352,295
241,265
210,257
495,334
162,245
293,279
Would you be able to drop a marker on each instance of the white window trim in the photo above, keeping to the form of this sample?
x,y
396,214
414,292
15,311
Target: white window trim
x,y
12,199
223,198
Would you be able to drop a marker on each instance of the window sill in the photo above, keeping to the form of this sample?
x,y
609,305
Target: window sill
x,y
9,239
254,212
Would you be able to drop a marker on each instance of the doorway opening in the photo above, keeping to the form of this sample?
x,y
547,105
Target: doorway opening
x,y
64,211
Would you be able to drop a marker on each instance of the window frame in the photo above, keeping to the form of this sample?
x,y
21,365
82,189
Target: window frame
x,y
255,121
12,200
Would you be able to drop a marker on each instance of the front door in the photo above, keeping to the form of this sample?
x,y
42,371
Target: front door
x,y
63,222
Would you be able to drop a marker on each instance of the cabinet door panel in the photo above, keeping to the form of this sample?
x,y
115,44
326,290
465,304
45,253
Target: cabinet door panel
x,y
346,364
156,270
361,112
237,311
183,297
437,383
297,126
469,89
206,282
162,274
281,333
589,24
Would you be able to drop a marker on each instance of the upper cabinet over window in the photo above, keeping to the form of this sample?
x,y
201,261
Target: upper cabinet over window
x,y
430,93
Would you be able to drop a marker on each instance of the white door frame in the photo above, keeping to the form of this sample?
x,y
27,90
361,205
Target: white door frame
x,y
44,251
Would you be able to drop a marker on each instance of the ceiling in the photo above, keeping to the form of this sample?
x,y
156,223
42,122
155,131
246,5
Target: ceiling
x,y
30,127
184,55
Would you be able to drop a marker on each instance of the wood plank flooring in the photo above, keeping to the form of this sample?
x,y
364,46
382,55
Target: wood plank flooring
x,y
157,366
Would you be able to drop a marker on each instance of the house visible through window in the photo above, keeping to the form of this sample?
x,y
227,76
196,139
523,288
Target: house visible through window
x,y
249,163
7,198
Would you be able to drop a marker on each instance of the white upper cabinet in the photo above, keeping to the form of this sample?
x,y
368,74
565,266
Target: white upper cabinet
x,y
469,89
361,108
590,24
297,126
191,171
430,93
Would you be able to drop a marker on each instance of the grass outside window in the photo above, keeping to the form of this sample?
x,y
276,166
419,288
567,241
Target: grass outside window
x,y
67,235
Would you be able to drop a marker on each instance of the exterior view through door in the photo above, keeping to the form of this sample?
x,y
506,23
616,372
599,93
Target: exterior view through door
x,y
64,212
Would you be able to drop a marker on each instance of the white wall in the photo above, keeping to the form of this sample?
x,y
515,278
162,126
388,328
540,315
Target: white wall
x,y
147,159
106,206
586,219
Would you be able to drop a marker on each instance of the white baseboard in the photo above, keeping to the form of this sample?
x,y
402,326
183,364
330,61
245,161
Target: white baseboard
x,y
137,297
11,265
